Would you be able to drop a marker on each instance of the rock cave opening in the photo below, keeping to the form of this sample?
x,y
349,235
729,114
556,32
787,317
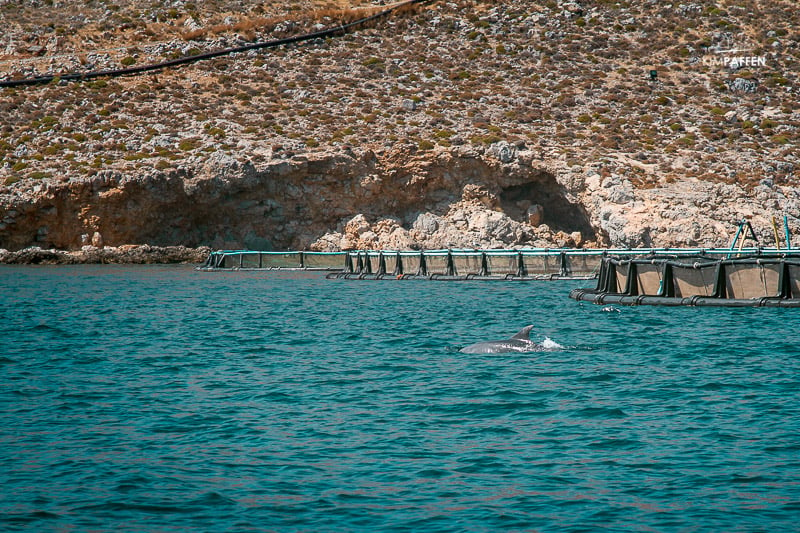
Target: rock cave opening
x,y
519,203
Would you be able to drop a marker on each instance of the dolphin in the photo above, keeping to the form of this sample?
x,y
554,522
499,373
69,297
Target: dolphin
x,y
521,342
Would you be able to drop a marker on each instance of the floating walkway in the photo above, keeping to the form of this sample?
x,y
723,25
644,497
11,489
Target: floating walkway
x,y
719,278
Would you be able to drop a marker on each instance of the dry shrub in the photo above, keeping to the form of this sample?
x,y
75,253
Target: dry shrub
x,y
248,26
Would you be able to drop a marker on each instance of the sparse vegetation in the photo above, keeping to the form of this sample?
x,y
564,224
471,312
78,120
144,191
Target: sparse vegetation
x,y
440,77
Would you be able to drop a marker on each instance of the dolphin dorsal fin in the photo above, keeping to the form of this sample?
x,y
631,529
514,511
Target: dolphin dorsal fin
x,y
524,333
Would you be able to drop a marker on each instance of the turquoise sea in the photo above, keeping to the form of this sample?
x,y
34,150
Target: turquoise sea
x,y
165,399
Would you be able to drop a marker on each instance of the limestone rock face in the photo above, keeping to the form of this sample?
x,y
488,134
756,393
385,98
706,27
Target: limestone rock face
x,y
340,199
349,199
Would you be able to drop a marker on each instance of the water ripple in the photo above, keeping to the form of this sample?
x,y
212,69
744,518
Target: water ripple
x,y
159,398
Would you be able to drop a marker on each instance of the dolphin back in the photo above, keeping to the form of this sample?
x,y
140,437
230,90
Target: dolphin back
x,y
518,343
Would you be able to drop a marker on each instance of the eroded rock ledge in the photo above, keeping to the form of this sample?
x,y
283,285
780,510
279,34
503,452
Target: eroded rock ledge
x,y
129,254
500,197
330,200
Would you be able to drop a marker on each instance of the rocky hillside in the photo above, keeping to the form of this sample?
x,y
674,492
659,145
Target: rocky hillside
x,y
454,124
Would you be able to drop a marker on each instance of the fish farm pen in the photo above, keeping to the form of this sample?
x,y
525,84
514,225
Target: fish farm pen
x,y
429,264
628,276
719,278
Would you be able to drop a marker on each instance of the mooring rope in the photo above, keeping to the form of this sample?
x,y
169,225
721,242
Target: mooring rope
x,y
330,32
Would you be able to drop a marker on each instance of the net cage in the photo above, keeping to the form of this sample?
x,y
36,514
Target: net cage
x,y
468,263
698,279
323,260
281,260
752,281
741,278
654,272
541,264
583,264
437,264
412,263
502,264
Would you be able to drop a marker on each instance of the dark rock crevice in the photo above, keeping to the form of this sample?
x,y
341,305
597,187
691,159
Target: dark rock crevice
x,y
559,214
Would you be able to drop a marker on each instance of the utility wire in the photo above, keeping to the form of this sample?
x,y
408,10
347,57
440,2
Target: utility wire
x,y
322,34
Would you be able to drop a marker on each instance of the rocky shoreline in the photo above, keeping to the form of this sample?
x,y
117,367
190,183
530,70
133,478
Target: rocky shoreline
x,y
505,196
126,254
